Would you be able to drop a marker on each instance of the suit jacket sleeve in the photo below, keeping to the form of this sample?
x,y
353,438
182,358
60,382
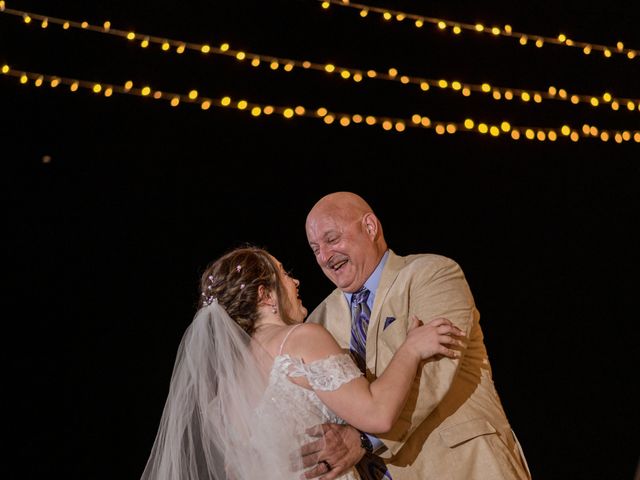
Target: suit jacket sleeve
x,y
437,288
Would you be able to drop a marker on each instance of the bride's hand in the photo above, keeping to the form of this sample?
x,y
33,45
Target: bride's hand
x,y
433,338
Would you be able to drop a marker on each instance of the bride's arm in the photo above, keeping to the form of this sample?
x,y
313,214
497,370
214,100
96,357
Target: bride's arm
x,y
375,407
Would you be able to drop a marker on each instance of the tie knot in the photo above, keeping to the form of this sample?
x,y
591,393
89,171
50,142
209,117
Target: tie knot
x,y
360,296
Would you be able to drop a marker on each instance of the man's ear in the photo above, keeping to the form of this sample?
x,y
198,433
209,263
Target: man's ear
x,y
370,224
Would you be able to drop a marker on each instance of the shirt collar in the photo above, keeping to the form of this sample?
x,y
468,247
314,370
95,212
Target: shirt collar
x,y
372,282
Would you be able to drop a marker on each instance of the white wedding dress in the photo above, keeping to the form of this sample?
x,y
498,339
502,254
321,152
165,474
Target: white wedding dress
x,y
300,406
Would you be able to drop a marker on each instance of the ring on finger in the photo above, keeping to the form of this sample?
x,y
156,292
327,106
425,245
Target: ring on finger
x,y
326,464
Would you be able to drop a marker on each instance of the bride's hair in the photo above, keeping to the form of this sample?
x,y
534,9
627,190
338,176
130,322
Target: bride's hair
x,y
233,280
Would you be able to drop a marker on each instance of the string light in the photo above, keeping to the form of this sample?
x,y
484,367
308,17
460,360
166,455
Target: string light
x,y
506,31
355,74
329,117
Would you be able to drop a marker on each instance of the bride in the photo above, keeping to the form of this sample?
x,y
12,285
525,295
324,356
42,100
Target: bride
x,y
252,383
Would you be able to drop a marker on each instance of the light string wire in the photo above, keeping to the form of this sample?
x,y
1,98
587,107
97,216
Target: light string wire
x,y
504,129
357,75
503,31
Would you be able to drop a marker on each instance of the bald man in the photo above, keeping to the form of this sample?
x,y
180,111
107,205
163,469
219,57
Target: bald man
x,y
453,425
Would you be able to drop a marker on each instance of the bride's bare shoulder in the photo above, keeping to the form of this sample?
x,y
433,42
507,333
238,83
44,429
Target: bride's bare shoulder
x,y
311,342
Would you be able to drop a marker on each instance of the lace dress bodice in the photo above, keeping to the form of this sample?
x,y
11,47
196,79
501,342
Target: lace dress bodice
x,y
302,405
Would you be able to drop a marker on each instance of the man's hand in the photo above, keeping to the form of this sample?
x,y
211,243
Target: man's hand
x,y
337,445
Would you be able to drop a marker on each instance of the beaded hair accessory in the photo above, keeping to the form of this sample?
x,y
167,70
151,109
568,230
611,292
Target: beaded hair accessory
x,y
208,296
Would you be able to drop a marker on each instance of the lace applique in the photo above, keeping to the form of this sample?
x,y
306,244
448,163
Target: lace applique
x,y
328,374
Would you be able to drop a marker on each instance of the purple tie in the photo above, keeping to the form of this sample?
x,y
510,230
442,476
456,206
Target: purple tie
x,y
360,315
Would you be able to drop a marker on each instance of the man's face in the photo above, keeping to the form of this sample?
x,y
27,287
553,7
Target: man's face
x,y
344,251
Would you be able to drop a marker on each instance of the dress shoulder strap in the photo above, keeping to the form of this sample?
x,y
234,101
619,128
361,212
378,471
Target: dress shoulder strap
x,y
287,336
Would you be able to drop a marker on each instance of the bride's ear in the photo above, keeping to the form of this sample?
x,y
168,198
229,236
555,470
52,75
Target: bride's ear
x,y
263,294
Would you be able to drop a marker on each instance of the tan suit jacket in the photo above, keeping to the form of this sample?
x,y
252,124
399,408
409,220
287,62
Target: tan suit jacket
x,y
453,426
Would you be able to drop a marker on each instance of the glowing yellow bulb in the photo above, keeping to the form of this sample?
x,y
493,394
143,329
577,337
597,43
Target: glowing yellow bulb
x,y
574,136
604,136
425,122
224,47
364,13
593,131
5,69
205,105
552,136
387,16
255,62
370,120
128,85
306,64
345,121
626,136
523,40
419,23
615,105
256,111
440,129
636,137
630,105
587,49
329,68
55,82
193,94
496,95
345,74
226,101
457,30
594,101
508,94
65,26
108,92
562,37
175,101
157,94
39,81
562,93
387,125
357,77
131,36
466,91
84,25
569,42
288,67
325,5
494,131
495,31
539,43
393,72
456,85
541,135
631,54
165,46
404,79
552,91
515,134
468,124
483,128
45,23
575,99
321,112
274,65
585,129
24,79
415,118
620,46
288,113
451,128
299,110
537,98
242,104
74,86
26,18
530,134
241,56
145,91
144,43
485,87
106,26
607,52
268,110
442,25
479,27
606,97
442,83
618,138
565,130
205,48
181,48
97,88
357,118
2,5
328,119
372,73
505,126
400,17
424,86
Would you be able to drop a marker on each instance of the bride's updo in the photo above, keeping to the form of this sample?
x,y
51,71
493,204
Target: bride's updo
x,y
233,280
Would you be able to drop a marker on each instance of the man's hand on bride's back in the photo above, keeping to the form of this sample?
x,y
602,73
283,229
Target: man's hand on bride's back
x,y
434,338
338,446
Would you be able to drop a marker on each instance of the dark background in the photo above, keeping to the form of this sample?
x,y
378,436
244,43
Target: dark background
x,y
107,241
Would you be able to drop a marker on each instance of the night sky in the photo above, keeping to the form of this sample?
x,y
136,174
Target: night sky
x,y
114,206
